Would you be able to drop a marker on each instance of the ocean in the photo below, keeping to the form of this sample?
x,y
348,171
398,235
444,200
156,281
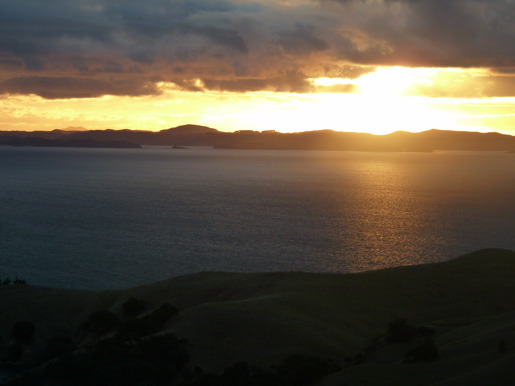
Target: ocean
x,y
115,218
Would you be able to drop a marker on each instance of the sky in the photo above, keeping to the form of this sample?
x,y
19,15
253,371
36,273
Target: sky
x,y
373,66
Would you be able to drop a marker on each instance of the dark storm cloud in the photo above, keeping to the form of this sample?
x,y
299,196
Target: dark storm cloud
x,y
67,87
432,33
503,70
240,45
301,39
290,81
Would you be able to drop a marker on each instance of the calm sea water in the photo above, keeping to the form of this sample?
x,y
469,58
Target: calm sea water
x,y
111,218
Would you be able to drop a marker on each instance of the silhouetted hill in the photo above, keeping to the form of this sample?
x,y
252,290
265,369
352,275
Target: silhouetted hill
x,y
196,135
189,129
454,140
398,141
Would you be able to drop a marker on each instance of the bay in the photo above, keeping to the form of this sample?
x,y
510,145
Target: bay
x,y
113,218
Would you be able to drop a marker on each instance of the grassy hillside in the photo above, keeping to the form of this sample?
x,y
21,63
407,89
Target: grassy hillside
x,y
263,318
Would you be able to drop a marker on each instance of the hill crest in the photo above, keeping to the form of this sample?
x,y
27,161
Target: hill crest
x,y
189,129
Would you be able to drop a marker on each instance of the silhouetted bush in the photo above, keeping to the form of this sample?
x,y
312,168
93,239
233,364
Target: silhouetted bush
x,y
164,313
300,370
19,281
133,307
501,346
166,354
101,322
426,332
147,325
14,352
399,331
23,331
426,352
158,360
157,319
133,329
59,345
242,373
8,281
239,374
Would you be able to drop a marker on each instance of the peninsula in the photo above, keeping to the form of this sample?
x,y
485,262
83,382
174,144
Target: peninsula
x,y
195,135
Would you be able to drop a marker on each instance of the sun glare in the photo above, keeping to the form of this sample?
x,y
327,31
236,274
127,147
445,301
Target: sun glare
x,y
378,114
379,102
389,81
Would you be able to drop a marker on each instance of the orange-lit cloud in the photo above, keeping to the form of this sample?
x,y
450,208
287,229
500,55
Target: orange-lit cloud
x,y
76,49
258,64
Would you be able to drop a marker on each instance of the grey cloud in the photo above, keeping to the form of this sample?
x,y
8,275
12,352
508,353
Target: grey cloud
x,y
345,71
242,45
465,33
10,64
302,39
235,85
225,37
467,87
290,81
188,85
502,70
67,87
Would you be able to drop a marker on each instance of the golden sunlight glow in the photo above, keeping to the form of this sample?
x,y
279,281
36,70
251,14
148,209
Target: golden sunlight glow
x,y
329,81
380,102
388,81
380,115
381,105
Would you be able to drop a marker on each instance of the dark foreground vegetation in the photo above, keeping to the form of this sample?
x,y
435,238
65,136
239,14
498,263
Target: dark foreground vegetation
x,y
131,350
15,281
449,323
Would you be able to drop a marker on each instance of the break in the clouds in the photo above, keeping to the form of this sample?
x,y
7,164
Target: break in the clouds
x,y
75,48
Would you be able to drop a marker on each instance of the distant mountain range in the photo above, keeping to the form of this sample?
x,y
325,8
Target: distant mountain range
x,y
195,135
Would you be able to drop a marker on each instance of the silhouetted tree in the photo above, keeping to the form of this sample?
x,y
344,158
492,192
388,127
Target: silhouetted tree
x,y
14,352
300,370
426,352
19,281
399,331
23,331
101,322
59,345
165,312
426,332
133,307
160,316
501,347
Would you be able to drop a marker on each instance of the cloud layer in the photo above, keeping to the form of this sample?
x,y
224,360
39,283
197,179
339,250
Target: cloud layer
x,y
77,49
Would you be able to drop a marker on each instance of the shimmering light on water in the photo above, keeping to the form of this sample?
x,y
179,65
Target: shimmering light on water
x,y
97,218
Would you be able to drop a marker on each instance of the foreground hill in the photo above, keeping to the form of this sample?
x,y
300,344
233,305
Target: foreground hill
x,y
460,314
196,135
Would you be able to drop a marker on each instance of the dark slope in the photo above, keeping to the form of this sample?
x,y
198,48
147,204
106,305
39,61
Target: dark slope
x,y
263,318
